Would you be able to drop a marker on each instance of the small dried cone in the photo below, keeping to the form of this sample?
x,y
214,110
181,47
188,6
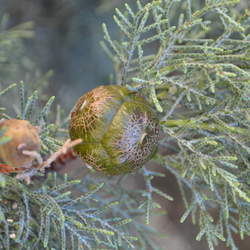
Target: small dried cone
x,y
24,136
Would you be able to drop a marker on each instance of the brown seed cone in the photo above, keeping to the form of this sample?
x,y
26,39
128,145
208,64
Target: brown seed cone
x,y
24,136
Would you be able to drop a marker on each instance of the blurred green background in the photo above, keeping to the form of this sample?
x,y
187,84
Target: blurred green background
x,y
67,36
66,41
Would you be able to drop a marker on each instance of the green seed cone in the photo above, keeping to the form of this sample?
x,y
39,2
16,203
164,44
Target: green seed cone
x,y
119,129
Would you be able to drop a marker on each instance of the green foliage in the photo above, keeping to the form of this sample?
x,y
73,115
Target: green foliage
x,y
192,61
58,212
195,72
39,217
81,215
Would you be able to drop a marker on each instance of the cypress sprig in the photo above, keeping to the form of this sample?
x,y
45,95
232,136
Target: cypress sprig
x,y
197,77
195,72
45,213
